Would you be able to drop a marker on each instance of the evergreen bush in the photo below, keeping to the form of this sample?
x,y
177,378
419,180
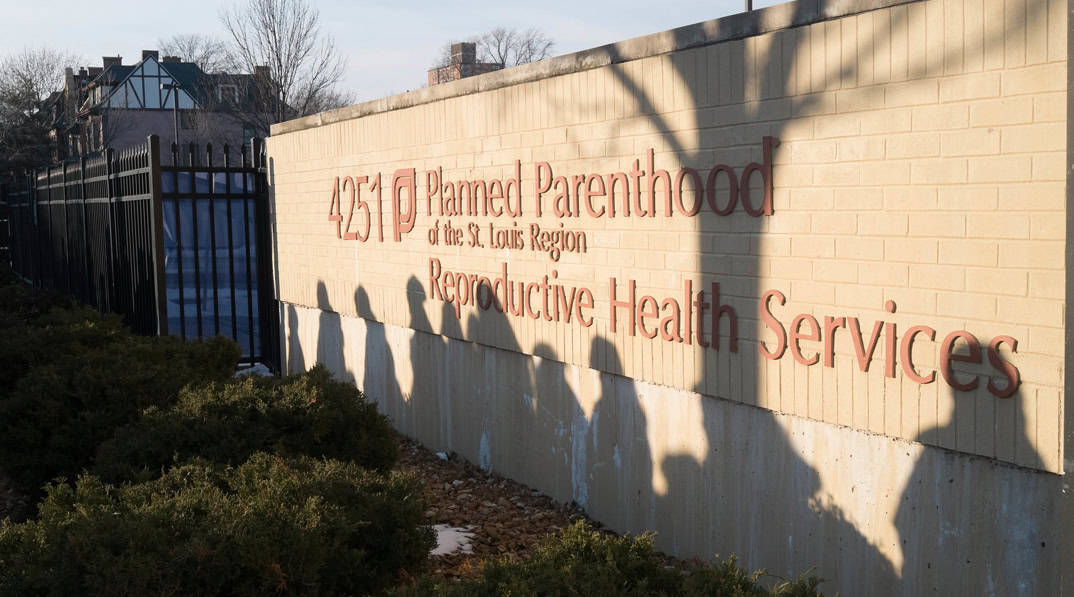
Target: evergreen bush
x,y
225,422
300,526
582,561
84,377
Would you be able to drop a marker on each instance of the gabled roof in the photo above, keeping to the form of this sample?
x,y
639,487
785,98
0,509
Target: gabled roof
x,y
187,74
114,75
196,84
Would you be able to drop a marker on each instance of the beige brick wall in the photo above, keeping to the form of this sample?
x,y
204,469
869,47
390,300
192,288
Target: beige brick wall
x,y
921,161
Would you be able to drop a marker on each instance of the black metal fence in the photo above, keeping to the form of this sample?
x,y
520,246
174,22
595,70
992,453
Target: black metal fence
x,y
177,249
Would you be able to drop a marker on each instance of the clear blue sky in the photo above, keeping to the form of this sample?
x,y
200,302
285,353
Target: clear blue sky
x,y
388,44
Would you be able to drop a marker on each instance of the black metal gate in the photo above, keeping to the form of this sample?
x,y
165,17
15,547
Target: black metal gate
x,y
179,249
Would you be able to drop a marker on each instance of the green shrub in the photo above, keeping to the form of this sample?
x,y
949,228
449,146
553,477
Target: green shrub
x,y
581,561
225,422
21,302
68,402
50,337
300,527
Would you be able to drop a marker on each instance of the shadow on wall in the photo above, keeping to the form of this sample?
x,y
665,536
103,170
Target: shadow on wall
x,y
758,484
296,359
969,510
378,376
752,489
752,485
330,343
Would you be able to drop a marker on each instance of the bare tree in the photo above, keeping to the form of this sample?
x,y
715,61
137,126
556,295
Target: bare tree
x,y
512,47
509,47
209,53
28,81
35,71
303,65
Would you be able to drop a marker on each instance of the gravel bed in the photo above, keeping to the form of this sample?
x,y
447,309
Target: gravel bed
x,y
506,518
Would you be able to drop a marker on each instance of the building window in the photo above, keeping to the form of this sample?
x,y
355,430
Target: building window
x,y
227,93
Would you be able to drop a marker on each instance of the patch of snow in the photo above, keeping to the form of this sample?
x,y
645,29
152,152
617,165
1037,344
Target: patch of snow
x,y
258,369
451,539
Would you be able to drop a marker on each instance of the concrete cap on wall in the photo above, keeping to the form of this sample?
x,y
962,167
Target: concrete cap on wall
x,y
732,27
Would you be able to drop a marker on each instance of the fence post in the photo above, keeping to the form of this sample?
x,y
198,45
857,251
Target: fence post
x,y
268,308
113,294
31,204
156,213
66,237
46,246
85,236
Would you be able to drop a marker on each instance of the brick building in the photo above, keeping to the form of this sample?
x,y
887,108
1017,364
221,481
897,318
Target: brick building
x,y
463,64
116,105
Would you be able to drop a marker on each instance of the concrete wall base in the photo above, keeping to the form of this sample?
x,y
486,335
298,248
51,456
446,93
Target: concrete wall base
x,y
874,515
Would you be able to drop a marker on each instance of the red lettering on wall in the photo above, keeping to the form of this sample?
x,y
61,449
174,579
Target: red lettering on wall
x,y
591,192
585,301
797,335
643,312
403,221
542,181
432,189
656,176
948,354
863,353
906,353
732,189
334,211
773,324
1005,369
718,312
765,170
699,190
830,325
615,304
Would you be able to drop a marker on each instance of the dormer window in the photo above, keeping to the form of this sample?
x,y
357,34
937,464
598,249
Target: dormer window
x,y
227,93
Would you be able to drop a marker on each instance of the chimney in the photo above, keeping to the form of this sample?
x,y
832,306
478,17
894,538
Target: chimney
x,y
148,53
463,53
171,59
108,61
261,72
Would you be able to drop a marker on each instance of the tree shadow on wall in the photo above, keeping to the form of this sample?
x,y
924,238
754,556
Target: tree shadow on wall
x,y
296,360
497,389
620,467
379,383
1003,511
754,492
330,351
760,484
425,410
